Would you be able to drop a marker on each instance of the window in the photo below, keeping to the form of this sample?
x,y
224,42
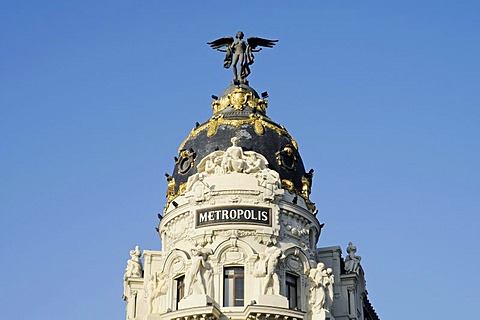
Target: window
x,y
233,290
180,290
292,291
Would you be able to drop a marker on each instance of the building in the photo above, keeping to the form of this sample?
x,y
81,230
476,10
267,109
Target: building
x,y
239,230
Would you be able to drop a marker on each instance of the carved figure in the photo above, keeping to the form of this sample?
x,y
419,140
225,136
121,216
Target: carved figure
x,y
134,265
271,257
270,180
269,191
352,261
200,188
254,163
328,281
209,280
260,268
241,52
210,165
218,165
233,158
198,274
149,288
316,298
156,287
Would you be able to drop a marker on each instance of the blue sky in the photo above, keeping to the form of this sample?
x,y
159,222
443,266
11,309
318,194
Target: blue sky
x,y
96,96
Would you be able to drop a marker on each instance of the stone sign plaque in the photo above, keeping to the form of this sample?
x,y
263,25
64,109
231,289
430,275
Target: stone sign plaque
x,y
234,215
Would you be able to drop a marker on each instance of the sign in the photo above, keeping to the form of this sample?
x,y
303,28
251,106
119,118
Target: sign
x,y
233,215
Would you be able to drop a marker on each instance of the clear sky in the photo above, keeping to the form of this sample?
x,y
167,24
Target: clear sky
x,y
96,96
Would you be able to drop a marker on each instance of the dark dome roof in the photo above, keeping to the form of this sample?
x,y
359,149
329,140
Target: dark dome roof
x,y
240,113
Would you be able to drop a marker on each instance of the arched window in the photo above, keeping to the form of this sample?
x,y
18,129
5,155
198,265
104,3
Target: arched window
x,y
233,287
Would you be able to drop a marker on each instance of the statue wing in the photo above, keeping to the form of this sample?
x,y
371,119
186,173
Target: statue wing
x,y
255,42
219,43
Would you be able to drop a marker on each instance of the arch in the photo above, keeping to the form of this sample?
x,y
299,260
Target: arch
x,y
224,246
296,260
171,260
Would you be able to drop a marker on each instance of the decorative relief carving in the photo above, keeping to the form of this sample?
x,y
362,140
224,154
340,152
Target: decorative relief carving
x,y
286,158
233,255
238,99
294,263
156,287
271,185
178,227
185,161
182,188
235,199
178,265
238,233
295,225
233,160
258,124
203,240
308,252
266,239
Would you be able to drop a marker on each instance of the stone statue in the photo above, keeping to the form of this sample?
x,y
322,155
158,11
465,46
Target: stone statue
x,y
198,277
134,269
267,267
352,261
328,281
233,158
134,265
254,163
317,292
218,165
200,188
149,289
240,52
208,275
210,165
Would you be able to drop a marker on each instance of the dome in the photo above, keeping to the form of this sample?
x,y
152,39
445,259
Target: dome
x,y
241,113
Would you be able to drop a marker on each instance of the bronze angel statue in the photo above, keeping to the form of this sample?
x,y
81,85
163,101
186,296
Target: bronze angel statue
x,y
241,52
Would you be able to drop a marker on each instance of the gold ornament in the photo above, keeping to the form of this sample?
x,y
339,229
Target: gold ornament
x,y
170,189
288,185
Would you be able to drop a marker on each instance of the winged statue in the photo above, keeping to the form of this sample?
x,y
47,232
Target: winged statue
x,y
239,51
